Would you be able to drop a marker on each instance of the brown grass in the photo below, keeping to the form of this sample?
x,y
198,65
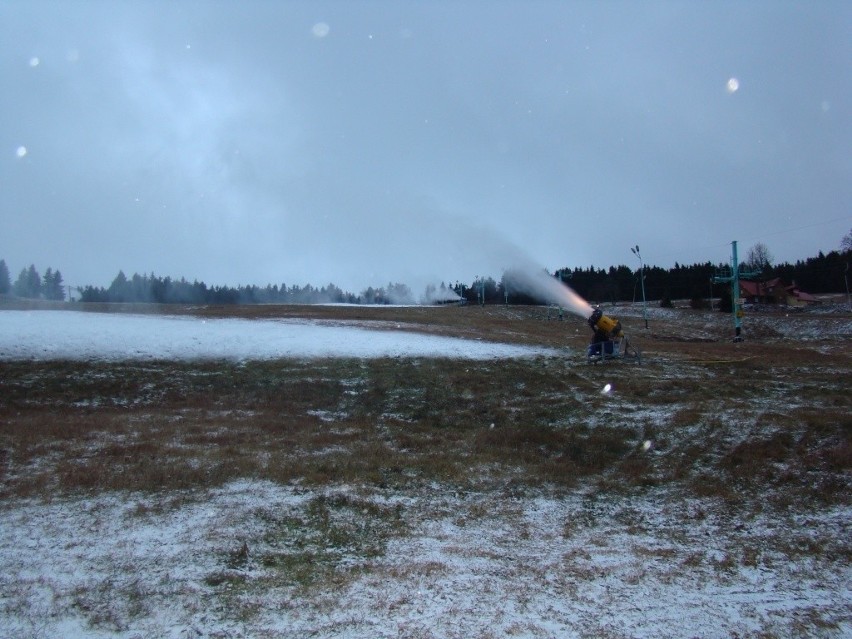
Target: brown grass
x,y
728,421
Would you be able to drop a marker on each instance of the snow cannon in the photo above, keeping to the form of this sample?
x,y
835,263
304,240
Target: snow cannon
x,y
606,325
609,340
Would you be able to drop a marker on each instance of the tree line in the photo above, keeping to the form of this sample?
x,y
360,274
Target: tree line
x,y
30,284
824,273
164,290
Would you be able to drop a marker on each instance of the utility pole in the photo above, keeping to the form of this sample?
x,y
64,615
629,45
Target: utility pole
x,y
846,279
635,251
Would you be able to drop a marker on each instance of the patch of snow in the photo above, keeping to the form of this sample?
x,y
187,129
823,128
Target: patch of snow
x,y
76,335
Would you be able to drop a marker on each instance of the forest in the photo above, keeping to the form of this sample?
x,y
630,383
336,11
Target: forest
x,y
824,273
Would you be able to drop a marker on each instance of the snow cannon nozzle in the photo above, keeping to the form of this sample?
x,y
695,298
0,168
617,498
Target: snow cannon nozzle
x,y
595,317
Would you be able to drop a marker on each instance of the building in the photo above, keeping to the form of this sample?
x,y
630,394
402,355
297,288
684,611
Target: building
x,y
774,291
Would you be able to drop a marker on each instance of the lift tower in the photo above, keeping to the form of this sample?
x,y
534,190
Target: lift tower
x,y
734,280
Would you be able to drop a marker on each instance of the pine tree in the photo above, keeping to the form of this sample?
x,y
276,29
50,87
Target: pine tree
x,y
5,282
51,287
28,283
47,283
58,286
20,287
118,290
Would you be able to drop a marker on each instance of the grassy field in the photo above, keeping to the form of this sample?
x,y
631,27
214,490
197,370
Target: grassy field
x,y
713,467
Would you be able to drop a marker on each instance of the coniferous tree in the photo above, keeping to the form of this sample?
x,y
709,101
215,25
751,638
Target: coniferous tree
x,y
58,286
46,281
34,281
52,287
118,290
91,293
20,288
28,283
5,281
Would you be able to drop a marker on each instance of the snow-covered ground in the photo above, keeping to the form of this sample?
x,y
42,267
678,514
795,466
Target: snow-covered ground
x,y
114,336
470,565
465,565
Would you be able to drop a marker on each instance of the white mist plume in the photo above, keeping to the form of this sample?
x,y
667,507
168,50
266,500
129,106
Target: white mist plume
x,y
438,295
537,282
520,271
416,241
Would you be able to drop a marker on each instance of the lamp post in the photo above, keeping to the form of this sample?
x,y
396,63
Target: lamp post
x,y
480,290
562,277
635,251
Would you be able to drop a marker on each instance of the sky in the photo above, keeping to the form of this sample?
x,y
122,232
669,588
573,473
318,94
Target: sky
x,y
367,142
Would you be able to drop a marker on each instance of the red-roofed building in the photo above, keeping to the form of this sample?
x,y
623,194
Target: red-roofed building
x,y
774,291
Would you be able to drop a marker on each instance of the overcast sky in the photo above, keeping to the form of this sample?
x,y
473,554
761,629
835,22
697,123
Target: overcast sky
x,y
361,143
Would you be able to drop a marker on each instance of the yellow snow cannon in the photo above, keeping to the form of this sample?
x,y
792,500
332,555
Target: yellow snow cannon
x,y
609,341
605,325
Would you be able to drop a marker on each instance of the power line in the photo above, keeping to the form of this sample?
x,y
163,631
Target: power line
x,y
764,235
799,228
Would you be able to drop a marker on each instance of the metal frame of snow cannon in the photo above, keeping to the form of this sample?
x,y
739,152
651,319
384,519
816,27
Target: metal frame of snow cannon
x,y
613,343
621,349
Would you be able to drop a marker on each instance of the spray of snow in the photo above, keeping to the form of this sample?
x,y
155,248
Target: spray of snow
x,y
439,295
537,282
520,271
